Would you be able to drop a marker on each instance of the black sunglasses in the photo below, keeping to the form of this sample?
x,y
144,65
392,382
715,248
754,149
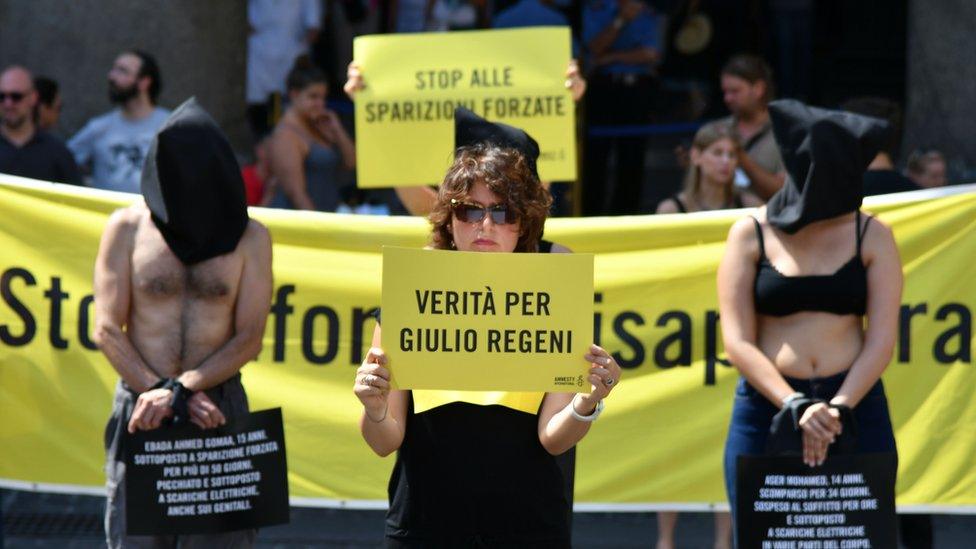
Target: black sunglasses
x,y
468,212
13,96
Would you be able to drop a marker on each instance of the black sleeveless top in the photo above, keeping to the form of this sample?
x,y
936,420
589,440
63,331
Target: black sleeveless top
x,y
736,202
475,476
843,293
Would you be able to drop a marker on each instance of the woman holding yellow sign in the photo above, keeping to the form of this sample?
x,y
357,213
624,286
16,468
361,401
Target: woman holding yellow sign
x,y
469,474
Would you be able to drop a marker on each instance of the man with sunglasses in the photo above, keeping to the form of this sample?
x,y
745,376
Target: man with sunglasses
x,y
26,150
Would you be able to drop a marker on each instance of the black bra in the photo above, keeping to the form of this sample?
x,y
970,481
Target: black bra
x,y
843,293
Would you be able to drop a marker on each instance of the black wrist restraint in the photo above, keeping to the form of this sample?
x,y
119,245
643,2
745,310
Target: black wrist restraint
x,y
179,403
847,441
161,384
784,431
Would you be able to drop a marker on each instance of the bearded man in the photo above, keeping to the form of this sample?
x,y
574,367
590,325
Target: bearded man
x,y
113,146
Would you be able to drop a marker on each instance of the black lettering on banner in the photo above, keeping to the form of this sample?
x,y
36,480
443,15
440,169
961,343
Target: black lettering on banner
x,y
84,322
281,309
849,501
711,347
18,307
952,342
597,318
963,330
628,339
56,296
359,319
331,338
183,480
682,337
905,314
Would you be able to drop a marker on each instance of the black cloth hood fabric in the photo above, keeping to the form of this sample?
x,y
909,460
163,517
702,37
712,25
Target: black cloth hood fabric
x,y
471,129
826,153
193,186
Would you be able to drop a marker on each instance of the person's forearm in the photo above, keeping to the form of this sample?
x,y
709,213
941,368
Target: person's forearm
x,y
636,56
123,356
563,430
348,150
764,184
602,42
864,373
224,363
418,200
759,371
298,196
384,436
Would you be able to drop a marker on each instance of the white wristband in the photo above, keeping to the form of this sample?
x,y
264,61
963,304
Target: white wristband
x,y
792,396
587,419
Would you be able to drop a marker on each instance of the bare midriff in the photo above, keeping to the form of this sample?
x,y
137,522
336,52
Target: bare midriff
x,y
810,345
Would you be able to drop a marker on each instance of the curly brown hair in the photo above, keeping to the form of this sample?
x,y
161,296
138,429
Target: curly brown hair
x,y
507,173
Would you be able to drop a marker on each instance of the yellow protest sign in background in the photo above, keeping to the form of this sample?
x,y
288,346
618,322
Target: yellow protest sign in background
x,y
405,114
657,445
470,321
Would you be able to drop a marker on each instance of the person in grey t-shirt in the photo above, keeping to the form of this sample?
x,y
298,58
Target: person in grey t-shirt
x,y
114,145
747,88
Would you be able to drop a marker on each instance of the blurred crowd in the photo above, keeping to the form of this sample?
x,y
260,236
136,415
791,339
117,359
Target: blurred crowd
x,y
686,68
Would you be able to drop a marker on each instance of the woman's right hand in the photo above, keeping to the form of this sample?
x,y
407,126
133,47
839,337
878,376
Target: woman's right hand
x,y
820,425
373,385
354,80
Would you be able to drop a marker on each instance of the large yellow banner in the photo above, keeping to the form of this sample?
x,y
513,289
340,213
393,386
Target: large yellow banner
x,y
659,442
405,114
468,321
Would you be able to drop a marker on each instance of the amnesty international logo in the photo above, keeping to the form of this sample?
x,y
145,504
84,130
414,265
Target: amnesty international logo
x,y
565,381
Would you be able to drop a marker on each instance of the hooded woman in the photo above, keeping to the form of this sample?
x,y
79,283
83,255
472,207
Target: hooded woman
x,y
809,292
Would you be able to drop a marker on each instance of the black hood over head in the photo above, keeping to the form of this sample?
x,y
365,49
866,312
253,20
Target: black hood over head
x,y
192,185
826,153
471,129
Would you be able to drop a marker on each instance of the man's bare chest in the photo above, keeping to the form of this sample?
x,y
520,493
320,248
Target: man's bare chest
x,y
158,275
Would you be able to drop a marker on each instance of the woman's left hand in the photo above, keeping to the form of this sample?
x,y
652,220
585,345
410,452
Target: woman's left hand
x,y
604,375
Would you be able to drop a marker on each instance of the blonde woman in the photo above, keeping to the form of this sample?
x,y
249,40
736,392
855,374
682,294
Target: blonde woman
x,y
708,183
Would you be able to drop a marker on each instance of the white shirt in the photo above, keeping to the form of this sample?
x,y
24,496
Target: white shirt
x,y
279,33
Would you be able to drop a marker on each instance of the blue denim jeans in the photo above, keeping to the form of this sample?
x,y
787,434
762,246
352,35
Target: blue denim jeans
x,y
752,414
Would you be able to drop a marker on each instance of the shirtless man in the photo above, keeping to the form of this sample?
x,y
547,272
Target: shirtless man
x,y
182,291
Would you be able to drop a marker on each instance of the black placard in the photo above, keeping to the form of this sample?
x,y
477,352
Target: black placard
x,y
847,503
184,480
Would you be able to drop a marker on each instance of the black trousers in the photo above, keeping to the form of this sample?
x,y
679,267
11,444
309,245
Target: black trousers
x,y
616,100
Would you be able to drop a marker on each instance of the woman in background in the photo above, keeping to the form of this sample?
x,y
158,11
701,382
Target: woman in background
x,y
309,145
709,184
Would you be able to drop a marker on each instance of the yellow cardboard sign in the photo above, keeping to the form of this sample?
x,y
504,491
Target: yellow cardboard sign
x,y
405,114
471,321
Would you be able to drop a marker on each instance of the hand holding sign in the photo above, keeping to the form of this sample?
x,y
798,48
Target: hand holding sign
x,y
604,375
373,385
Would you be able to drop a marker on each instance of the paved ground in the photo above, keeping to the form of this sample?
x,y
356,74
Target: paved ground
x,y
57,521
